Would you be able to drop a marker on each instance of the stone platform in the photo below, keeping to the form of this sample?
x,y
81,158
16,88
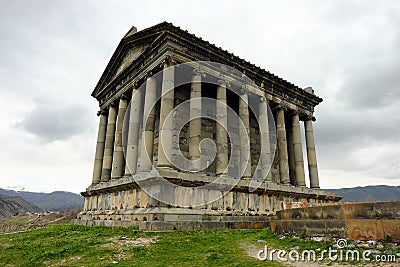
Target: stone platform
x,y
122,202
165,219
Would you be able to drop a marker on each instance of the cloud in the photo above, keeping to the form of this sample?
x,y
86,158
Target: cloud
x,y
372,79
51,123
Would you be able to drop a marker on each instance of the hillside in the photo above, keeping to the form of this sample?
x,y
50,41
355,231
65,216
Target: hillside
x,y
58,200
368,193
35,220
13,205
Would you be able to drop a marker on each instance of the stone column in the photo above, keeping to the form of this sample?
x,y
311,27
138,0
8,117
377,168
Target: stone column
x,y
166,107
221,139
98,158
109,144
265,155
132,147
195,124
292,169
298,151
282,147
118,165
245,146
146,151
311,154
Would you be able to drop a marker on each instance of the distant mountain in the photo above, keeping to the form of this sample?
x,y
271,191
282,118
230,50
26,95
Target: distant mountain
x,y
58,200
372,193
13,205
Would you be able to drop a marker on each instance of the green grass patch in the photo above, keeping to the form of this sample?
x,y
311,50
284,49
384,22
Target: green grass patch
x,y
74,245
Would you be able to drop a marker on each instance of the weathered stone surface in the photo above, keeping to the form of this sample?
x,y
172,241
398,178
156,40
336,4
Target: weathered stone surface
x,y
221,138
118,165
311,154
282,147
109,145
355,221
101,138
166,126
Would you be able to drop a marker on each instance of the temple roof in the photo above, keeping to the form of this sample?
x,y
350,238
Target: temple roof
x,y
153,34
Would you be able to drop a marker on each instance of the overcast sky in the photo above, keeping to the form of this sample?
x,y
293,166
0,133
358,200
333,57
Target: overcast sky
x,y
52,53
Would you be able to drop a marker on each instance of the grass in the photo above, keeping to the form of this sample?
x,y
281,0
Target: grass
x,y
74,245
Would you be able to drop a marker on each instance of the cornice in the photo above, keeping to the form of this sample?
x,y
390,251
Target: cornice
x,y
197,49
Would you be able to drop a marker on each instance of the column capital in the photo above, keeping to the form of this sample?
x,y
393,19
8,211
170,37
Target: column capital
x,y
199,72
244,89
102,112
168,61
263,99
310,118
223,82
124,96
113,104
282,105
148,74
293,112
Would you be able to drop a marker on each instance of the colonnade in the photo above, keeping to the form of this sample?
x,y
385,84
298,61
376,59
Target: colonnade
x,y
110,163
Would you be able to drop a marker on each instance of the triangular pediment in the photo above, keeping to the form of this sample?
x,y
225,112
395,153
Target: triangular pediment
x,y
132,45
130,55
137,48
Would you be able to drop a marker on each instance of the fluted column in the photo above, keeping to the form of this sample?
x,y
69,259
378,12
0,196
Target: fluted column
x,y
98,158
282,147
118,165
220,132
290,147
245,146
195,124
146,151
265,155
311,154
132,147
109,144
166,127
298,151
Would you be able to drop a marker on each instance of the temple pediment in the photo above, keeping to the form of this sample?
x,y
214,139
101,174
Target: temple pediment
x,y
130,55
136,49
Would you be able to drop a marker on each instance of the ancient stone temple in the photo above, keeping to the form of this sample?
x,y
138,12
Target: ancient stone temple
x,y
193,136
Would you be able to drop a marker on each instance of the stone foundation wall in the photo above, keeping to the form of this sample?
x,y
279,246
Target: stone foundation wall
x,y
355,221
350,210
123,201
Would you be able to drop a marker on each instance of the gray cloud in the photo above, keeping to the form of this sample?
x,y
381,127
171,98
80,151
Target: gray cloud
x,y
51,123
374,82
